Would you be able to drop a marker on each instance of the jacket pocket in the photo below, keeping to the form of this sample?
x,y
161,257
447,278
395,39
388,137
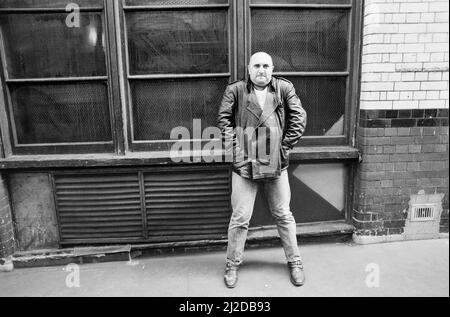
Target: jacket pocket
x,y
284,153
263,161
281,116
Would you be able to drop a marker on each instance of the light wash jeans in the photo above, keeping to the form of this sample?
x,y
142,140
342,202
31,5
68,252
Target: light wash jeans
x,y
278,195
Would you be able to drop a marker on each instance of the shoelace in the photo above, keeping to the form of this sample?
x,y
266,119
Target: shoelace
x,y
230,267
298,264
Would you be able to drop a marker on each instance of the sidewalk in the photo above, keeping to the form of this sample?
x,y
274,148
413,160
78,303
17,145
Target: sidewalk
x,y
408,268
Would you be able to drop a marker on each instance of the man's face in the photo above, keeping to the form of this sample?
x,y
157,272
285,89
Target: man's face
x,y
260,69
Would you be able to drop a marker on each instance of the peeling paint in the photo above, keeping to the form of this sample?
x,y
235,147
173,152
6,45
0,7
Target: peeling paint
x,y
34,211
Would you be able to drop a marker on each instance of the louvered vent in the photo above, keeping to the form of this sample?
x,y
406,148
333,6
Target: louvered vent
x,y
95,207
187,205
423,213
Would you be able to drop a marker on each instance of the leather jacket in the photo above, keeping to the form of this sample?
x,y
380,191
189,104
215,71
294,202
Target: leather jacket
x,y
259,139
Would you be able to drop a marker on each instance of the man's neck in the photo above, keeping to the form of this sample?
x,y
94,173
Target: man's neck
x,y
259,87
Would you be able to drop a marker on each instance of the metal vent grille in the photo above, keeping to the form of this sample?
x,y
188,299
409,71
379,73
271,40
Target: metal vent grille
x,y
187,205
96,207
423,213
158,205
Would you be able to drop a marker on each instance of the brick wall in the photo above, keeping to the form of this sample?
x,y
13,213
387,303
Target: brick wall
x,y
405,55
397,163
7,242
403,127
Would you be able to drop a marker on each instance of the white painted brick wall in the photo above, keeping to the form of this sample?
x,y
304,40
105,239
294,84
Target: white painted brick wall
x,y
405,55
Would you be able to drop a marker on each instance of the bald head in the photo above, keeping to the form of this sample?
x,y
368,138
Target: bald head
x,y
261,56
260,69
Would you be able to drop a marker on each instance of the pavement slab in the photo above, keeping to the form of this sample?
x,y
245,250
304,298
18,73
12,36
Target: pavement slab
x,y
417,268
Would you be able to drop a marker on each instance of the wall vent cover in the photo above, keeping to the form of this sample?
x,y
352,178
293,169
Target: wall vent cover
x,y
173,204
187,205
92,207
424,216
423,213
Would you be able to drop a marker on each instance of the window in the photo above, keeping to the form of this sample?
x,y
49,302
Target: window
x,y
57,80
133,70
178,57
310,45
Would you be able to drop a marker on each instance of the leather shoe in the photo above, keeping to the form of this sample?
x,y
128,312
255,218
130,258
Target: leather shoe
x,y
230,277
297,273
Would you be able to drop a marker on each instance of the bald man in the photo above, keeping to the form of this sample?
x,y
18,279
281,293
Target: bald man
x,y
261,120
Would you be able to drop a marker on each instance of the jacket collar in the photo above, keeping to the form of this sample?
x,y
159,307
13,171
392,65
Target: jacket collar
x,y
272,102
250,84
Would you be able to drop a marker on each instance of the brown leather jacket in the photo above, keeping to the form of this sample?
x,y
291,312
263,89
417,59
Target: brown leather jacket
x,y
259,140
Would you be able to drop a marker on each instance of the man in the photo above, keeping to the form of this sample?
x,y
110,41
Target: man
x,y
262,113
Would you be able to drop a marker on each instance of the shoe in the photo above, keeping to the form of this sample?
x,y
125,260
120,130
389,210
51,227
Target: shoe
x,y
230,277
297,273
6,265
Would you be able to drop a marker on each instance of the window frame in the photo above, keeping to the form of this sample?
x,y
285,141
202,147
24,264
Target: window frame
x,y
122,150
157,145
116,145
351,73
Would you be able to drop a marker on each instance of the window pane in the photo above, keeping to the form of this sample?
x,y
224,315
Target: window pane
x,y
301,1
49,3
324,101
162,42
320,191
56,113
174,2
302,40
159,106
41,45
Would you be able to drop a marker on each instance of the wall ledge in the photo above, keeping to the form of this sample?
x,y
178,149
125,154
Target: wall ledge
x,y
360,239
27,162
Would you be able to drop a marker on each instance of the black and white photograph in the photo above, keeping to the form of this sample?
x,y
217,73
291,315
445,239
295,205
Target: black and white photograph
x,y
224,154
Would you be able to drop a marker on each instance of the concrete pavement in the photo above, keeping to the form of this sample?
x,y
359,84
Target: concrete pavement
x,y
407,268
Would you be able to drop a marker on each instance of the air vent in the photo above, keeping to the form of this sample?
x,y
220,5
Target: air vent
x,y
147,205
187,205
423,213
93,207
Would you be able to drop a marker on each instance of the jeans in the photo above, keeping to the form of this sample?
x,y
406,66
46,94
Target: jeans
x,y
278,195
